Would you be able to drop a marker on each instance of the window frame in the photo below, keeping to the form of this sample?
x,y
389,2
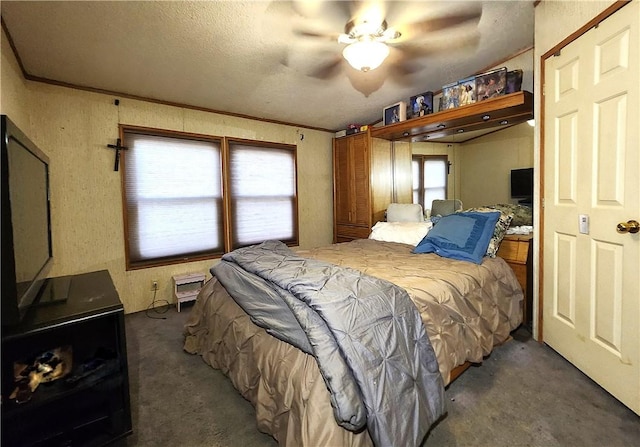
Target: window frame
x,y
228,206
223,143
421,158
169,260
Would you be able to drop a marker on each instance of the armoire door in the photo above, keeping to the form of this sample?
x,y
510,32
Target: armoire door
x,y
341,181
361,200
351,180
591,271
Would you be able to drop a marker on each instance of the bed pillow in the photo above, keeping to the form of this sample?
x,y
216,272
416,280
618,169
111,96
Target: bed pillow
x,y
464,236
405,212
403,232
444,207
503,223
522,215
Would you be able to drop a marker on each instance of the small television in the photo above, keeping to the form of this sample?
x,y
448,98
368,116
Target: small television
x,y
522,184
27,254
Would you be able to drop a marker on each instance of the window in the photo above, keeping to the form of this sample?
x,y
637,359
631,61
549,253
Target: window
x,y
173,197
429,178
177,207
262,192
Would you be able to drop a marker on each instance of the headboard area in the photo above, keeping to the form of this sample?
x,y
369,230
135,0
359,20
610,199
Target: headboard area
x,y
404,212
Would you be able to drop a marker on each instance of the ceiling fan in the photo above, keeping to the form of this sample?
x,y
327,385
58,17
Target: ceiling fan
x,y
367,43
376,29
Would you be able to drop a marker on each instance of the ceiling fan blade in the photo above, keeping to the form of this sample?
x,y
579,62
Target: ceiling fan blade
x,y
304,18
320,19
406,68
400,67
329,70
338,10
316,34
431,25
425,48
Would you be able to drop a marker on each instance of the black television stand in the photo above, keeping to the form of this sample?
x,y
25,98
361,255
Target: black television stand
x,y
89,404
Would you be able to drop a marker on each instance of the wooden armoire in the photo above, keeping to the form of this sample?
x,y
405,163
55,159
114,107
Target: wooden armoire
x,y
373,169
368,175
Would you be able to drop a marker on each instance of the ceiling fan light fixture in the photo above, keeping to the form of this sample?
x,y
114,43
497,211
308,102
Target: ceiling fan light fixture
x,y
366,55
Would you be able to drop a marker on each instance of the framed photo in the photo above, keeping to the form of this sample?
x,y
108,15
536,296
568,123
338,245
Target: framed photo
x,y
421,104
467,91
394,113
514,81
450,96
491,84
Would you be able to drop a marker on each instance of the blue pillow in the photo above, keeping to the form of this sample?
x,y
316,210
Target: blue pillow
x,y
464,236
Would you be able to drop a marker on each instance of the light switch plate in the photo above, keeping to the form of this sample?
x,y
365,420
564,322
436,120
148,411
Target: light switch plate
x,y
584,223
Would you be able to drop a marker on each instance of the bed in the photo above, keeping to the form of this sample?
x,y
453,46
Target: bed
x,y
467,308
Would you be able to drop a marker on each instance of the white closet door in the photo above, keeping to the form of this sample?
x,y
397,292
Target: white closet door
x,y
592,171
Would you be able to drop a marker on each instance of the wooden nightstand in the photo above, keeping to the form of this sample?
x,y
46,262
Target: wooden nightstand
x,y
186,287
517,251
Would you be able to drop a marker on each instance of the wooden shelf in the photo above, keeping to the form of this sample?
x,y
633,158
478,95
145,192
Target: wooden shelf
x,y
506,111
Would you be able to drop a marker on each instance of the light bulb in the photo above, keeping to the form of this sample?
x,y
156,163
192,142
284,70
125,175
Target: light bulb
x,y
366,55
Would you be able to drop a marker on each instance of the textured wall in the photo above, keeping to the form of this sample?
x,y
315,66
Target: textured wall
x,y
14,93
486,165
480,168
524,62
486,162
489,157
73,127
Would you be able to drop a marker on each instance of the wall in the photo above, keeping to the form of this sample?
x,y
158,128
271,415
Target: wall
x,y
486,162
491,156
523,61
486,165
73,127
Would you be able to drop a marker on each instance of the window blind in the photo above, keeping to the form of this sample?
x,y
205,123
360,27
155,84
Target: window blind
x,y
262,191
435,179
173,197
429,179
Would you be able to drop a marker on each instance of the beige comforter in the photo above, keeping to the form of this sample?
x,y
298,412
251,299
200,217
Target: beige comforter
x,y
466,309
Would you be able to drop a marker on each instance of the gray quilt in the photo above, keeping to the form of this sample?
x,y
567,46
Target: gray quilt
x,y
365,332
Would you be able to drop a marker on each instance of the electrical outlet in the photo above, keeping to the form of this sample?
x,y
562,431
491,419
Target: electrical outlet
x,y
154,284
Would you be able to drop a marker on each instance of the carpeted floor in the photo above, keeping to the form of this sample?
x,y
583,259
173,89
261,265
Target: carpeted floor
x,y
524,394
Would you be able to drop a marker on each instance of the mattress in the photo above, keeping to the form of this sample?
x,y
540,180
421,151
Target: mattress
x,y
466,309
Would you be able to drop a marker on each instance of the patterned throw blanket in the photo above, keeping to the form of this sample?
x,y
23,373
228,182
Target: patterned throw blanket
x,y
365,333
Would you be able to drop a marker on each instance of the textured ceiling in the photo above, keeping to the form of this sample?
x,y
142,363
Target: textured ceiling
x,y
259,58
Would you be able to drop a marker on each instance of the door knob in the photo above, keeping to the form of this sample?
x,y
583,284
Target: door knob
x,y
631,226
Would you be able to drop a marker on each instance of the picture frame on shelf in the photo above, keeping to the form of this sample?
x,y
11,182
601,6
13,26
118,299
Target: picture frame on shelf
x,y
467,91
491,84
394,113
514,81
421,105
450,96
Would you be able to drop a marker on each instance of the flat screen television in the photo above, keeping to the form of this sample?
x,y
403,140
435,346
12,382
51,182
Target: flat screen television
x,y
27,254
522,184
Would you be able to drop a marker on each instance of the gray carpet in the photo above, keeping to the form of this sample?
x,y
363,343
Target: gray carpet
x,y
524,394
